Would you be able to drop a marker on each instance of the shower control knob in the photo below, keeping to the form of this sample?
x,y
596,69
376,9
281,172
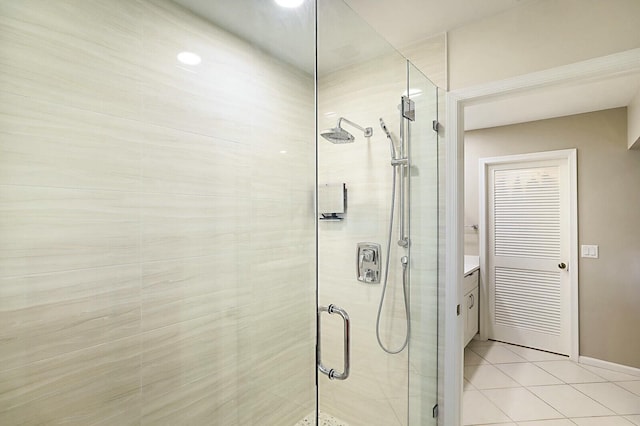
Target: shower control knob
x,y
368,255
369,276
368,263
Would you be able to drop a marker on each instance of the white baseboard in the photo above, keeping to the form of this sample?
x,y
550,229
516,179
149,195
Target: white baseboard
x,y
609,365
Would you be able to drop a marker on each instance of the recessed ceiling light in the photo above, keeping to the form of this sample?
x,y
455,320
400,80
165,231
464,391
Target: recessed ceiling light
x,y
189,58
289,3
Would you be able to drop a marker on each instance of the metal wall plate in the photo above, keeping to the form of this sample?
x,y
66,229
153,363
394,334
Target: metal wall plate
x,y
368,262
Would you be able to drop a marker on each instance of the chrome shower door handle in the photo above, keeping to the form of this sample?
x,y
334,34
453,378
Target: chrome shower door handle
x,y
330,372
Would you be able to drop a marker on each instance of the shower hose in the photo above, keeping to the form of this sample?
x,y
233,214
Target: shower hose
x,y
405,294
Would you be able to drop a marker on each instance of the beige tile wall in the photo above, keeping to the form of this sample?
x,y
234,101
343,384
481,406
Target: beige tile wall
x,y
157,248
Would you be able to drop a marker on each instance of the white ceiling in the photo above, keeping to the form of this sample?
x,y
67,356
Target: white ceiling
x,y
402,22
345,38
284,33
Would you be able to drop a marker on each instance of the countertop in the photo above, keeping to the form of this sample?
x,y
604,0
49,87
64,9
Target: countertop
x,y
471,264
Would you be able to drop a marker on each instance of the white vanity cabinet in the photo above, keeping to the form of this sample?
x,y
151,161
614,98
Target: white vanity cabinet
x,y
470,306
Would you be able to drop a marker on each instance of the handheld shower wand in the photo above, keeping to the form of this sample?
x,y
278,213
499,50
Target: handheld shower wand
x,y
398,164
384,128
392,145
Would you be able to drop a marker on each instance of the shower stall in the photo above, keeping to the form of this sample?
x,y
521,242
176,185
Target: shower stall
x,y
166,256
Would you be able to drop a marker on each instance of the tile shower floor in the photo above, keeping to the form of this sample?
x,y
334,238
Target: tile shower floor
x,y
510,385
323,420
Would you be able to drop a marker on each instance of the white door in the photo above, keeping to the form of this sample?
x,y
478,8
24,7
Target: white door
x,y
529,268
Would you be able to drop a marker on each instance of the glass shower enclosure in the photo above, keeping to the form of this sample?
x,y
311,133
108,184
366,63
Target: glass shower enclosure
x,y
393,315
167,253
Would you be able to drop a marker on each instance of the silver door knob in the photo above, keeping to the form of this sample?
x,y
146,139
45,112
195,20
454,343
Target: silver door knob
x,y
562,265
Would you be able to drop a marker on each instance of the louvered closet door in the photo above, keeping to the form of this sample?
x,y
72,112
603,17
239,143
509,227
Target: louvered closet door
x,y
528,237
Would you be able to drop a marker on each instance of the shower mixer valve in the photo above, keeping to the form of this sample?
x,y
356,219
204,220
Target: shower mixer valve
x,y
368,263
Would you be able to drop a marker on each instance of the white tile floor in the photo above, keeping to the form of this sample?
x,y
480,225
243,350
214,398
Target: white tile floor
x,y
510,385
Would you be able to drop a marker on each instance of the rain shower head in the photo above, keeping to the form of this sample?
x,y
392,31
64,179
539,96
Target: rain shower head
x,y
337,135
340,135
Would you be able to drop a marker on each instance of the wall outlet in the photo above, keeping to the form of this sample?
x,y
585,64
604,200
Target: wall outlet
x,y
590,251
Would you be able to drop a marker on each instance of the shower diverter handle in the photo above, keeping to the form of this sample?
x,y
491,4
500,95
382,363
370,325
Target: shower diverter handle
x,y
368,263
366,255
330,372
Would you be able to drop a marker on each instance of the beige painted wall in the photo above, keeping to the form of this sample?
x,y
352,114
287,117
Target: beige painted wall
x,y
157,261
608,205
540,35
633,120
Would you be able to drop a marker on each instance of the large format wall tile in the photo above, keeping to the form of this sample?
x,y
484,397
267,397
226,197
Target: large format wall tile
x,y
196,403
54,229
48,315
272,167
212,99
86,56
79,388
157,263
178,226
207,348
187,163
174,291
45,144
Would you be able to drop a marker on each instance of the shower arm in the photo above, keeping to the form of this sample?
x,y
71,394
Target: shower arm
x,y
368,132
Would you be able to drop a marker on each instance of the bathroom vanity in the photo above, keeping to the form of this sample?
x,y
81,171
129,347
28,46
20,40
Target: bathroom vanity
x,y
470,290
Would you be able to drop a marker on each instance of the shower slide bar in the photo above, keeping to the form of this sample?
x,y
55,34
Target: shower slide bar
x,y
330,372
407,113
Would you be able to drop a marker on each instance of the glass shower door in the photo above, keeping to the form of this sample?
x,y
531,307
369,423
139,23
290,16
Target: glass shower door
x,y
379,274
157,230
425,243
157,175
